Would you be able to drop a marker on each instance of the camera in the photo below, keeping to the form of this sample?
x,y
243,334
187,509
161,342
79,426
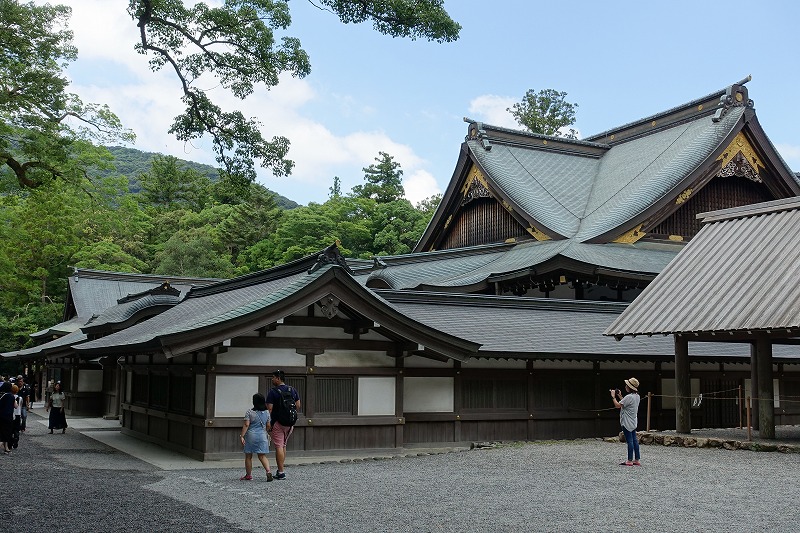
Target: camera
x,y
616,392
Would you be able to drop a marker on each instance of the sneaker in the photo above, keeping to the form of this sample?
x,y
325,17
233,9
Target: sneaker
x,y
626,463
280,475
269,476
637,463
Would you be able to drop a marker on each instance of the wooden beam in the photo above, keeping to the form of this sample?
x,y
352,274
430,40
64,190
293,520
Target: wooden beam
x,y
305,345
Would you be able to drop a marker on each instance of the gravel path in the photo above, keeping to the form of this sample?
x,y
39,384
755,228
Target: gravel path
x,y
79,484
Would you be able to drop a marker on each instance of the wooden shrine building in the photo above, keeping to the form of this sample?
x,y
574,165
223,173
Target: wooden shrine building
x,y
492,329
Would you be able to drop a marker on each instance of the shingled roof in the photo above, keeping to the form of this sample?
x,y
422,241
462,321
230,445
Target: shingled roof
x,y
739,274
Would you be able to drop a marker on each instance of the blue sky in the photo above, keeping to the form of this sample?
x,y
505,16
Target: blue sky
x,y
619,61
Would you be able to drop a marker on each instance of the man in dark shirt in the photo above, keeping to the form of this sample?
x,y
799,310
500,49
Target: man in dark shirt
x,y
25,400
280,433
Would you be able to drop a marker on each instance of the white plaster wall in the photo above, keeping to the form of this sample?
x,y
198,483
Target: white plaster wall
x,y
276,357
354,358
415,361
234,395
494,363
376,396
200,394
428,395
776,391
668,391
622,365
562,365
90,380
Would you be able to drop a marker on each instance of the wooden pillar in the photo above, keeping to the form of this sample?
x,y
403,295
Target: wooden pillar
x,y
399,388
457,401
531,404
753,385
309,403
683,389
766,407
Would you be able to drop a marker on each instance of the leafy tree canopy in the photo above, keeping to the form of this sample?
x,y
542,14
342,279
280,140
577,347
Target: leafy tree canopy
x,y
236,43
46,132
545,112
384,180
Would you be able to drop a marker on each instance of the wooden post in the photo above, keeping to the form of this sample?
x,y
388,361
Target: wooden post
x,y
649,402
766,393
749,427
754,382
683,390
739,397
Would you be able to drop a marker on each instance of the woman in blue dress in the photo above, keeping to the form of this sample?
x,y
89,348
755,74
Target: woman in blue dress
x,y
255,437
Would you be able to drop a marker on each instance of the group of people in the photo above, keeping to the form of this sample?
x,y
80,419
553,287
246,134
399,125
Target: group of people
x,y
262,425
16,397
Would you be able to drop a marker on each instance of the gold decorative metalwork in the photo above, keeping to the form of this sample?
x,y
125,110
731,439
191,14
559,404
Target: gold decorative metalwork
x,y
544,141
653,123
475,176
740,144
632,236
678,238
508,207
700,107
682,197
448,221
536,234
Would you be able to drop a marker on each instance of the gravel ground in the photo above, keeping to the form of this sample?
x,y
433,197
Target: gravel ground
x,y
79,484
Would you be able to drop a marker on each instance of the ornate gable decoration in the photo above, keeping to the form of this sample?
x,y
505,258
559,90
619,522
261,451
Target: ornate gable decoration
x,y
475,186
740,159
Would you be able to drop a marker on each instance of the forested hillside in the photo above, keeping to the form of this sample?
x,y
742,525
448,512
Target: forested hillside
x,y
132,163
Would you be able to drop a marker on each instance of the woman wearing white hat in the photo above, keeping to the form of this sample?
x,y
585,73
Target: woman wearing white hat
x,y
628,418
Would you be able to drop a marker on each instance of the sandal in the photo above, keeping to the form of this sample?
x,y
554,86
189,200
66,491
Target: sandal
x,y
269,475
246,478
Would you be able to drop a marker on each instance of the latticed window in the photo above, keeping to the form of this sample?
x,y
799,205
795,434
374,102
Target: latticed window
x,y
139,388
334,395
159,390
180,394
483,393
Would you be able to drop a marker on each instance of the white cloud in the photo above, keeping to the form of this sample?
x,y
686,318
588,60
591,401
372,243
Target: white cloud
x,y
491,109
419,185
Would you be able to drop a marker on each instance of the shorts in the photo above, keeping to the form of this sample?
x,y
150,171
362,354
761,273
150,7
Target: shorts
x,y
280,434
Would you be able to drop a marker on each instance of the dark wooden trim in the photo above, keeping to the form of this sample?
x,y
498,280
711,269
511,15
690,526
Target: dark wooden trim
x,y
303,345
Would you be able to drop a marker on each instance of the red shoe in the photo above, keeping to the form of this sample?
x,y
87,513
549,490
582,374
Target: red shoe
x,y
637,463
246,478
626,463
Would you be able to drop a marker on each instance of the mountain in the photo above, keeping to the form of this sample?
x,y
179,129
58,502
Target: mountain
x,y
131,162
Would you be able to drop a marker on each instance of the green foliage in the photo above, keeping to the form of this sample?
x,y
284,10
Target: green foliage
x,y
237,44
384,181
108,255
46,132
545,112
18,322
168,186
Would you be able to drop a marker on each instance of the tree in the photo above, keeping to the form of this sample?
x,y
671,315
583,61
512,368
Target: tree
x,y
545,112
46,132
384,181
236,43
168,186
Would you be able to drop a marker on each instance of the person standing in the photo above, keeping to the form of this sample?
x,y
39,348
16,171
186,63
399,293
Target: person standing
x,y
25,400
55,406
280,433
255,437
7,406
628,418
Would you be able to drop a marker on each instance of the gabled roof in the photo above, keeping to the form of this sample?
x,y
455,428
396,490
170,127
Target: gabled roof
x,y
739,274
92,291
601,188
474,268
216,313
545,328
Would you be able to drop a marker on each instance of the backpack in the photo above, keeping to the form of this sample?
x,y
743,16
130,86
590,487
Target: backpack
x,y
286,412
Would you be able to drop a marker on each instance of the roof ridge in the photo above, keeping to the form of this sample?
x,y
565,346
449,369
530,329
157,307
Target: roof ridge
x,y
697,102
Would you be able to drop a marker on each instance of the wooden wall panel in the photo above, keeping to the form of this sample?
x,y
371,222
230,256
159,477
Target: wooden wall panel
x,y
482,221
180,433
352,437
422,432
719,193
159,428
492,429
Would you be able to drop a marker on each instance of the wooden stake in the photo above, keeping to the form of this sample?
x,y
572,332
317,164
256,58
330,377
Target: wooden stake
x,y
740,406
749,435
